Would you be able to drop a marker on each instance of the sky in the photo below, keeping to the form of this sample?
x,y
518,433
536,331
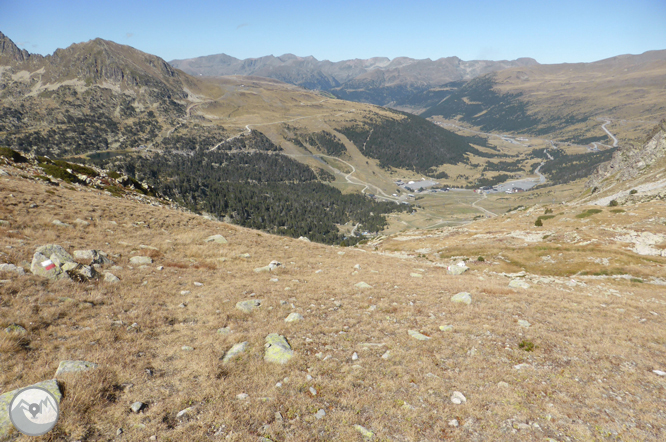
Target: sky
x,y
562,31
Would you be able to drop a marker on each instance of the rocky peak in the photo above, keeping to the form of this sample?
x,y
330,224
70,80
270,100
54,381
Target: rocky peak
x,y
9,52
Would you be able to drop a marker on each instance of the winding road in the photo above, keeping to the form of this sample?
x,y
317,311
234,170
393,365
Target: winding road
x,y
603,126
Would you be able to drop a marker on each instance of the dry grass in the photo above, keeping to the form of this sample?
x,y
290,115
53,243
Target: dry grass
x,y
590,375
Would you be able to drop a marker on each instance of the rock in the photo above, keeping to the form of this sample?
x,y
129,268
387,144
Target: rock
x,y
198,284
186,348
269,268
242,396
363,285
277,349
92,257
523,323
457,269
462,298
6,425
367,434
355,356
313,392
224,331
119,431
503,384
320,413
303,238
234,352
59,223
453,423
218,239
458,398
81,222
138,260
248,306
74,366
48,261
659,372
294,317
16,329
4,223
387,354
137,406
244,255
11,268
416,275
185,292
416,335
357,267
110,277
518,284
446,327
521,366
184,412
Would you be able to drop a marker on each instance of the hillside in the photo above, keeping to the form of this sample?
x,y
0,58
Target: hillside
x,y
378,80
561,338
567,102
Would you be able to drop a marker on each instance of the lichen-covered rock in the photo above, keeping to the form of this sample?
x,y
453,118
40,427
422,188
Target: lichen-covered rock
x,y
248,306
277,349
6,427
462,298
138,260
16,329
235,351
416,335
92,257
11,268
219,239
294,317
74,366
367,434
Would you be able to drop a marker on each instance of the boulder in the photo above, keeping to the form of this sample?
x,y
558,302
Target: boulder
x,y
518,284
138,260
462,298
92,257
457,269
248,306
48,261
234,352
74,366
11,268
110,277
219,239
277,349
294,317
6,426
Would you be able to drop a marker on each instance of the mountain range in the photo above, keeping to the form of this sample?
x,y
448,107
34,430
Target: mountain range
x,y
377,80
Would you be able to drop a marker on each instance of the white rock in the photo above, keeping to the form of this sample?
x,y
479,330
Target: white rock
x,y
242,396
453,423
110,277
458,398
446,327
518,284
355,356
293,317
523,323
137,260
659,372
462,298
313,392
320,413
416,335
363,285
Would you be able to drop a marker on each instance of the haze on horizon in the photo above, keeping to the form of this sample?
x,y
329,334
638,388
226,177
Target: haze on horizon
x,y
568,31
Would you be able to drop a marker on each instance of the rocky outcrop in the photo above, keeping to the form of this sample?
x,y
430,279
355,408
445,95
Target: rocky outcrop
x,y
55,263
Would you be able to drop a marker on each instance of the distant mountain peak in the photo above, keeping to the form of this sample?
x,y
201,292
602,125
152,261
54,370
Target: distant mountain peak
x,y
9,51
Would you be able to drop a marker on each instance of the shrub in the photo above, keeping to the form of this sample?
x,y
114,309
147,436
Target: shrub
x,y
617,211
547,211
527,345
12,155
538,222
480,259
633,192
613,203
588,212
60,173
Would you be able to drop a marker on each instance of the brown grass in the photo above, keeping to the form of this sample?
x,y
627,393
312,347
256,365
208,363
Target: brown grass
x,y
590,374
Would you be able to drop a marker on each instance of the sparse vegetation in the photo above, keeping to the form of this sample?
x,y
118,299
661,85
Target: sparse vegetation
x,y
588,212
527,345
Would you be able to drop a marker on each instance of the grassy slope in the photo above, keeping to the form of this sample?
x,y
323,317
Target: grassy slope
x,y
589,376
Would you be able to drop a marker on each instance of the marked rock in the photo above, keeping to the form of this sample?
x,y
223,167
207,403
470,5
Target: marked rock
x,y
277,349
248,306
234,352
219,239
518,284
462,298
6,426
74,366
57,256
416,335
294,317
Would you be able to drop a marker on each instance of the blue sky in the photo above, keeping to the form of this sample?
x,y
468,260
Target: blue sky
x,y
549,31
